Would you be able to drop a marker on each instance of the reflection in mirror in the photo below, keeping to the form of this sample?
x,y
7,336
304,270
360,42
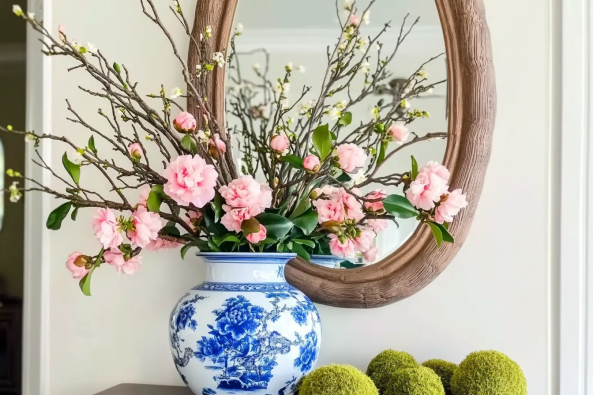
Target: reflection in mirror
x,y
280,53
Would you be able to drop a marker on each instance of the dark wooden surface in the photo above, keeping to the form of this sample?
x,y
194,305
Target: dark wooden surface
x,y
140,389
472,100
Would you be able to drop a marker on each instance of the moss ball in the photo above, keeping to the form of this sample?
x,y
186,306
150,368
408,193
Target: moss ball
x,y
415,381
488,373
299,384
444,370
385,364
337,380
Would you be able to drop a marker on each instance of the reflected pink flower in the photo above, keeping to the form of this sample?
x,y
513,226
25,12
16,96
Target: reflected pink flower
x,y
185,122
344,249
107,229
190,180
448,209
255,238
366,239
331,209
376,207
378,224
312,163
371,254
76,264
426,189
399,132
280,143
350,157
146,227
352,206
116,258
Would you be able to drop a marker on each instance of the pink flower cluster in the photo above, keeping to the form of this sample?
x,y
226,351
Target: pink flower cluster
x,y
350,157
190,180
430,189
245,198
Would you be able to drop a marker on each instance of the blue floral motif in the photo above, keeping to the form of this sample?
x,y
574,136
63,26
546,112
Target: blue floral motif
x,y
280,272
208,391
249,287
184,318
290,386
240,318
300,315
309,351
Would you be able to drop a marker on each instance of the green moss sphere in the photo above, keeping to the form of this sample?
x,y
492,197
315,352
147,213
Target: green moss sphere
x,y
415,381
337,380
488,373
385,364
299,384
444,370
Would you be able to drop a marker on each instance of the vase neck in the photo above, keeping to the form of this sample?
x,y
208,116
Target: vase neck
x,y
246,268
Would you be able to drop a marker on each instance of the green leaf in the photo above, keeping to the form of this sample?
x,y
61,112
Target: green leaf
x,y
116,68
276,226
307,222
303,206
85,283
212,246
300,251
382,152
399,207
322,141
218,240
170,230
344,177
201,244
381,102
346,119
217,207
250,226
189,144
74,214
436,231
55,218
350,265
445,232
91,144
72,168
155,199
293,161
307,243
414,173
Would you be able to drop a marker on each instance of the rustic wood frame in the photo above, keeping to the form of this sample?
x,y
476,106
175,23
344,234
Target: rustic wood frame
x,y
472,98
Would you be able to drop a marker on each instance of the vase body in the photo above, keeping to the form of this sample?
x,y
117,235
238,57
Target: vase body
x,y
244,329
329,261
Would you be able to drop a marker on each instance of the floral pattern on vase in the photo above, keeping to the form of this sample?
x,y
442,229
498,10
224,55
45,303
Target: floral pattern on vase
x,y
260,338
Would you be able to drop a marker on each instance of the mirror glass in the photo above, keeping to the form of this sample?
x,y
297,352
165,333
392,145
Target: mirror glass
x,y
272,35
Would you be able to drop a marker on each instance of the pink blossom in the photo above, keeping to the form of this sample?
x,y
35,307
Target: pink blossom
x,y
76,264
371,254
193,219
331,209
161,244
247,192
280,143
107,229
185,122
255,238
146,227
341,249
399,132
376,206
190,180
453,203
326,190
312,163
426,189
143,196
233,219
62,33
352,206
378,224
116,258
439,170
350,157
216,145
366,239
136,152
354,20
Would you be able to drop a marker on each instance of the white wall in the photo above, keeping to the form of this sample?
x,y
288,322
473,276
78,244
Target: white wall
x,y
494,295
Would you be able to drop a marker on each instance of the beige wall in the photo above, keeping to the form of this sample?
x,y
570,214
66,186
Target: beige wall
x,y
493,296
12,111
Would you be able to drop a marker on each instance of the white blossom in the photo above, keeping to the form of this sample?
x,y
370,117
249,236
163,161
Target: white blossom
x,y
348,4
15,194
359,177
302,69
290,120
366,17
422,73
284,103
289,67
208,31
341,104
256,66
91,48
202,136
334,114
365,67
405,104
29,137
283,87
75,157
239,29
218,57
175,93
18,11
31,15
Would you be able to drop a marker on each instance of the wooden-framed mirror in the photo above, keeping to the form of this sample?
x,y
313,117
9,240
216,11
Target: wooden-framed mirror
x,y
470,106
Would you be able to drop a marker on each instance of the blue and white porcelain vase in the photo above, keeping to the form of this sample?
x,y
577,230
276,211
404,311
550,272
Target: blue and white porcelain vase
x,y
329,261
244,329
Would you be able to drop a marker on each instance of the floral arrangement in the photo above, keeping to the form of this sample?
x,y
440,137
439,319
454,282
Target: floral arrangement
x,y
312,159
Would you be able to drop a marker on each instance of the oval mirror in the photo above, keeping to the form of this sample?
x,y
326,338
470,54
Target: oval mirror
x,y
426,75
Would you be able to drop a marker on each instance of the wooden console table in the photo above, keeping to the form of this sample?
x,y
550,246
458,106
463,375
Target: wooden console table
x,y
139,389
